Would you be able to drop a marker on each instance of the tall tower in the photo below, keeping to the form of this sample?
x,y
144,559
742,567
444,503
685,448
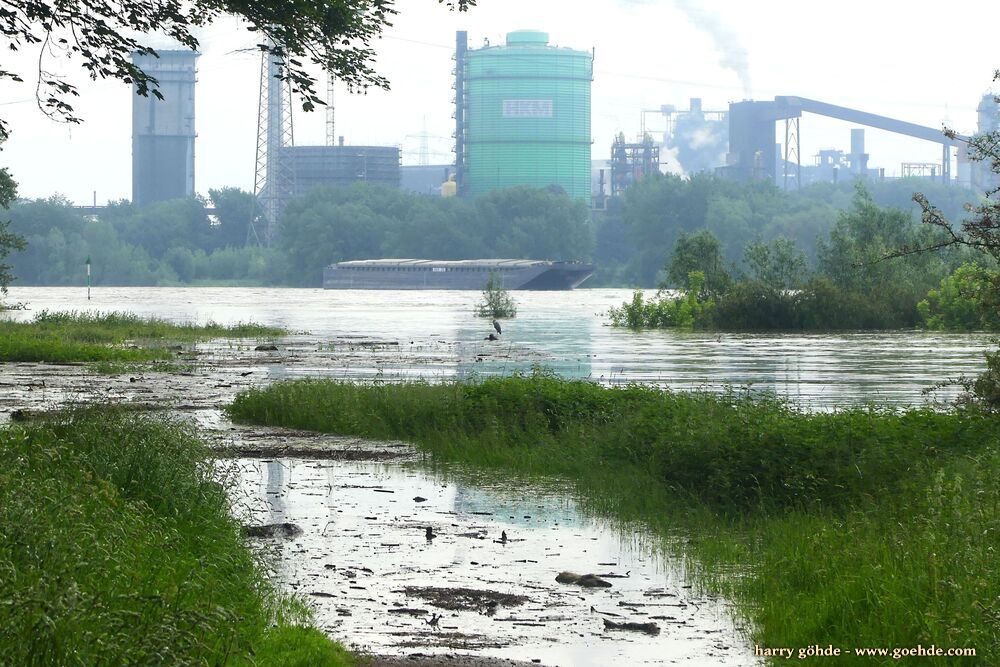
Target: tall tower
x,y
274,176
163,130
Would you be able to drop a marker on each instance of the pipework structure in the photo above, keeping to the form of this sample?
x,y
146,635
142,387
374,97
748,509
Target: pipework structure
x,y
755,154
522,115
163,130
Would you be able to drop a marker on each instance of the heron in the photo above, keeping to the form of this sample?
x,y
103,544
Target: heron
x,y
496,325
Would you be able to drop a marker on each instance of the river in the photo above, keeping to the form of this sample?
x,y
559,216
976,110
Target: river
x,y
436,337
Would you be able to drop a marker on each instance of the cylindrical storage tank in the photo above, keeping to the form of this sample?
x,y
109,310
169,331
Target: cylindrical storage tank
x,y
527,116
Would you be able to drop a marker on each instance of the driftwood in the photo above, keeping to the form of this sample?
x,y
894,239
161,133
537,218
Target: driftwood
x,y
273,530
585,580
648,628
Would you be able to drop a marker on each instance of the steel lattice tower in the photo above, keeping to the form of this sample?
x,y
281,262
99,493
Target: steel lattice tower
x,y
274,177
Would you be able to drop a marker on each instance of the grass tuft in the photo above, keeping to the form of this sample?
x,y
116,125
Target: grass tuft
x,y
67,337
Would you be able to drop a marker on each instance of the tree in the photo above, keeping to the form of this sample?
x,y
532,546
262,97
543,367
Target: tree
x,y
779,265
700,252
102,35
8,240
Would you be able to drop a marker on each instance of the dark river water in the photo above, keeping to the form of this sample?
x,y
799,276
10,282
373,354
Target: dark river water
x,y
437,337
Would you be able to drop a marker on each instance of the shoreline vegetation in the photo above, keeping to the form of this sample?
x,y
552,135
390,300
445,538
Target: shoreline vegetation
x,y
110,339
867,526
117,545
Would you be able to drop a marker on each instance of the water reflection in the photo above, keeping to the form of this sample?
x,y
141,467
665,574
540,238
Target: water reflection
x,y
363,544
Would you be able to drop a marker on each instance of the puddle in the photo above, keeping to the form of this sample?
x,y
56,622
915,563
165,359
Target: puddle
x,y
486,582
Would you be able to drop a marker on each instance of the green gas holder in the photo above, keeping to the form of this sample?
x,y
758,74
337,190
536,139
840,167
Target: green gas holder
x,y
523,115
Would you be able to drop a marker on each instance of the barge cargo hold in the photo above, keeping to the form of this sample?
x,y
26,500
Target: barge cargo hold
x,y
470,274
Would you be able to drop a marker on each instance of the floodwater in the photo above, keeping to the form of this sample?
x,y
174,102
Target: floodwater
x,y
364,557
363,546
433,335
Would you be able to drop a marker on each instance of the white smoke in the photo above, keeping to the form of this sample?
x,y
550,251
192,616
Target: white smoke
x,y
732,54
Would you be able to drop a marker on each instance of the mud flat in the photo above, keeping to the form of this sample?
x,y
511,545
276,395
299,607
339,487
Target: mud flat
x,y
485,583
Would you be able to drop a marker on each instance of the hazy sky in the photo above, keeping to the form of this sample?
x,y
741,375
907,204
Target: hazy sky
x,y
925,62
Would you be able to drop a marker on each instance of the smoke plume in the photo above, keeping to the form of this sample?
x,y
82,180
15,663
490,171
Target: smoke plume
x,y
732,55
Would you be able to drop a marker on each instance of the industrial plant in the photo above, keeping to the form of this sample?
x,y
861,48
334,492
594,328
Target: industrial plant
x,y
522,113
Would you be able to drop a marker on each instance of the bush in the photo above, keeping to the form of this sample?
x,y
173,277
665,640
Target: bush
x,y
962,303
691,309
497,301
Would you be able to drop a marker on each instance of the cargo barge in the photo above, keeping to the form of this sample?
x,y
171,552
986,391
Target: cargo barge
x,y
467,274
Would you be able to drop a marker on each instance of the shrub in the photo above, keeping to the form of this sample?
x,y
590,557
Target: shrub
x,y
962,302
497,301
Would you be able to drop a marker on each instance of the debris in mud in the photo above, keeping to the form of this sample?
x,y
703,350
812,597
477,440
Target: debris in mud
x,y
419,499
464,599
648,628
585,580
408,611
273,530
266,348
279,451
452,640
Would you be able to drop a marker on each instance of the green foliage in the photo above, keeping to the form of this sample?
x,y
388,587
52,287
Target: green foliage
x,y
693,308
8,240
697,253
497,301
964,302
117,546
298,646
986,387
855,287
863,527
108,337
730,451
778,264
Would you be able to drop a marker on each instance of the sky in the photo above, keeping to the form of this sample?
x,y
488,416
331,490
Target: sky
x,y
921,62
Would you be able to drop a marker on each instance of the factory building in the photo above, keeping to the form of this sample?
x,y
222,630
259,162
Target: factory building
x,y
163,130
342,165
980,175
522,115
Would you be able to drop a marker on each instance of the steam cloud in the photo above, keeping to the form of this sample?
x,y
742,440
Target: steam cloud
x,y
733,55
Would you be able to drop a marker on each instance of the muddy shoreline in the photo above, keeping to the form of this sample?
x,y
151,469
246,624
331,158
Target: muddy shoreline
x,y
480,593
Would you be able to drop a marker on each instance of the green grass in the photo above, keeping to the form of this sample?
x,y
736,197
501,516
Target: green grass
x,y
866,527
108,337
117,546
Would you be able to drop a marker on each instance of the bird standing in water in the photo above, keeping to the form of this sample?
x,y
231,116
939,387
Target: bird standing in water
x,y
496,325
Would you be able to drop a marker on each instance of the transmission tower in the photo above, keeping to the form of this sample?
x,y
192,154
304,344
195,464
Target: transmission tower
x,y
423,156
331,138
274,177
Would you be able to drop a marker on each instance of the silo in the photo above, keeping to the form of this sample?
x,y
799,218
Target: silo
x,y
524,111
163,129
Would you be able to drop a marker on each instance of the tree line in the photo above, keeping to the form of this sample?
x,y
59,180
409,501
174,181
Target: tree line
x,y
205,241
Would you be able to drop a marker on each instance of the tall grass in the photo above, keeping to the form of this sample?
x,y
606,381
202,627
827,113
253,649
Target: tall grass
x,y
117,547
105,337
865,527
